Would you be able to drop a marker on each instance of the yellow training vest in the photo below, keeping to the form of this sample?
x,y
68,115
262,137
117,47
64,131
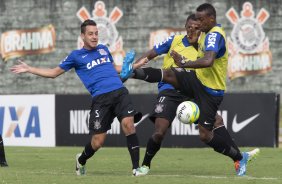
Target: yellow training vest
x,y
177,45
213,77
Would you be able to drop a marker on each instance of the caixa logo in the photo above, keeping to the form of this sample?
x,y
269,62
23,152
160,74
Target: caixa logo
x,y
19,121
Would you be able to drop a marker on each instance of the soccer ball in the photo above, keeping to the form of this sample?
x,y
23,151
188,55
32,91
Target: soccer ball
x,y
187,112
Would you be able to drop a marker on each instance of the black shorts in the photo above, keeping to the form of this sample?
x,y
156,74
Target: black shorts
x,y
166,105
191,86
106,107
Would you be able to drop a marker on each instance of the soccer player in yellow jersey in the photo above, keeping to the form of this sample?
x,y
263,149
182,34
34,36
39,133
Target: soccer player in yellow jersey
x,y
168,98
206,85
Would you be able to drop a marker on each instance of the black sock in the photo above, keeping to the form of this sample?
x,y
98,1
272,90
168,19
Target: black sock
x,y
219,145
87,153
2,151
148,74
222,131
151,150
134,150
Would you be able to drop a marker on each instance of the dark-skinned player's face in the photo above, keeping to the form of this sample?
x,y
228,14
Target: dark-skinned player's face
x,y
205,21
193,32
90,37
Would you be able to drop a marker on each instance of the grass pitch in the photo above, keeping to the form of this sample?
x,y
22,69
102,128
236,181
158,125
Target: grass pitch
x,y
112,165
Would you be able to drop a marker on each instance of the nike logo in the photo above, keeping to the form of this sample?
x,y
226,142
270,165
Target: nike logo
x,y
130,111
141,120
206,123
134,147
236,127
84,56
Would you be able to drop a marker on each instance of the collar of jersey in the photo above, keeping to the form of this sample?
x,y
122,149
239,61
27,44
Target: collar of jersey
x,y
84,49
185,41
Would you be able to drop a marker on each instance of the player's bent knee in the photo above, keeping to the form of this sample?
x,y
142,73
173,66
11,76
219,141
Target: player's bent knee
x,y
128,125
97,144
98,140
170,77
204,138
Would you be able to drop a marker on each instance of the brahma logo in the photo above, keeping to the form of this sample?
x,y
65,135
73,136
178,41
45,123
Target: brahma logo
x,y
108,34
20,125
17,43
248,46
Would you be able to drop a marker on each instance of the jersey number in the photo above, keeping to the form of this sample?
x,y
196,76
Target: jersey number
x,y
97,113
162,98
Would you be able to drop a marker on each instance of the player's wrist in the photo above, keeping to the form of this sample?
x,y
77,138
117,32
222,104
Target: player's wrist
x,y
146,59
184,61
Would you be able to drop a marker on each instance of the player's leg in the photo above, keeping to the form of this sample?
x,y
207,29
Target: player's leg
x,y
125,113
132,141
220,129
3,162
220,144
241,163
101,117
153,75
154,142
208,104
208,107
162,116
90,148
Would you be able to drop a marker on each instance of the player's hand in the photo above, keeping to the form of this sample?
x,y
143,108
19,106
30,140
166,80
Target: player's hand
x,y
141,62
22,67
177,58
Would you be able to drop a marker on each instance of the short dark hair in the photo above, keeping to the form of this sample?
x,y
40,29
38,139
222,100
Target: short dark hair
x,y
208,8
87,23
192,17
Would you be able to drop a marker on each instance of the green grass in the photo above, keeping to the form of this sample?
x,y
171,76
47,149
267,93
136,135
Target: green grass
x,y
112,165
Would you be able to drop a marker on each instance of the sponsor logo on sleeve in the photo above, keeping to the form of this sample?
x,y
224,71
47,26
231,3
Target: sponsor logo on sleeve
x,y
211,40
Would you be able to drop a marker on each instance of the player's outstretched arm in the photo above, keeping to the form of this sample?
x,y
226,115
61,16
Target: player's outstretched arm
x,y
22,67
145,58
204,62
